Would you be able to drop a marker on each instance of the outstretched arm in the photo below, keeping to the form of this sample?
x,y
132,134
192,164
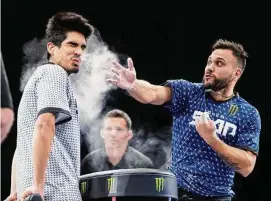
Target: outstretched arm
x,y
147,93
141,90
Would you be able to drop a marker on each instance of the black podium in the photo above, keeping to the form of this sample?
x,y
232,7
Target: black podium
x,y
129,184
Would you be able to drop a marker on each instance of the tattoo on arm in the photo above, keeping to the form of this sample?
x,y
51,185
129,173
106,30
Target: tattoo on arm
x,y
229,162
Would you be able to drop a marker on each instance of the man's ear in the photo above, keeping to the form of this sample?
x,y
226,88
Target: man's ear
x,y
102,133
238,74
50,48
130,134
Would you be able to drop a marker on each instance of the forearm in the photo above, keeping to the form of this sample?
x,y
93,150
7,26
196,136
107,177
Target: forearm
x,y
13,173
7,119
237,159
42,143
143,91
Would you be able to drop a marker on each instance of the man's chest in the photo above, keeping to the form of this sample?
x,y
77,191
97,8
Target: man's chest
x,y
226,117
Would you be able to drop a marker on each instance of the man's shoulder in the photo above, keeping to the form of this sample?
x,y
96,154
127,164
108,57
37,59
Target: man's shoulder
x,y
93,155
50,68
96,152
181,82
139,159
246,107
137,154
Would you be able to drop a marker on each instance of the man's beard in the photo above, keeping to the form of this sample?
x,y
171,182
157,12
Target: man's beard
x,y
71,71
74,71
218,84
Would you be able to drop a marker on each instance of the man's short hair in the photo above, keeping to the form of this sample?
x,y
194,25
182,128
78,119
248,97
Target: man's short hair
x,y
236,48
116,113
62,22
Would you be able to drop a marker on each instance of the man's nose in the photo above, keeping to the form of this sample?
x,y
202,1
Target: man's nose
x,y
78,51
113,133
210,68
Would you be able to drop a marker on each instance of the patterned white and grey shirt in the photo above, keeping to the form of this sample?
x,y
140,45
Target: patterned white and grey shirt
x,y
49,90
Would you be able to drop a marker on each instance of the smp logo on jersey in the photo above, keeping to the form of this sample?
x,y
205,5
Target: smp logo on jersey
x,y
223,127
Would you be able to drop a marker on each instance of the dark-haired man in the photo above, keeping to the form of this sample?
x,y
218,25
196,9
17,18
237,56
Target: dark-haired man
x,y
47,156
116,153
215,131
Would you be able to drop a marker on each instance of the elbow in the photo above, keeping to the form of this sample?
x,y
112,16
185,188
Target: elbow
x,y
149,100
7,120
45,128
247,170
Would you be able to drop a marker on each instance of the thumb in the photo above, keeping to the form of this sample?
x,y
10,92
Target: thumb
x,y
14,196
26,193
130,64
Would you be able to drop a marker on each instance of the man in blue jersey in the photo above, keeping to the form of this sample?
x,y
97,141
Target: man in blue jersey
x,y
215,131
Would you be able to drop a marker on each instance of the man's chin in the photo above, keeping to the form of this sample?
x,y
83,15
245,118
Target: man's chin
x,y
73,71
208,85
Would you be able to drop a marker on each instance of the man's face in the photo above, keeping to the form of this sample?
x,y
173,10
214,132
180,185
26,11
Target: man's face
x,y
115,132
220,70
69,54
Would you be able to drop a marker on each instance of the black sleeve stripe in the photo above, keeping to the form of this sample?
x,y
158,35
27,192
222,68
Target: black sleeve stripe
x,y
248,149
62,116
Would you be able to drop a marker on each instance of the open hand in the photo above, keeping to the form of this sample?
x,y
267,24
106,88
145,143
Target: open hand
x,y
122,77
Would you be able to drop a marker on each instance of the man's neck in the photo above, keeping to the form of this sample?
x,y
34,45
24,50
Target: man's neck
x,y
115,154
222,95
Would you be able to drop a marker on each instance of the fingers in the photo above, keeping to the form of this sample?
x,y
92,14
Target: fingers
x,y
130,64
117,65
211,123
25,194
112,75
114,70
10,198
112,81
204,118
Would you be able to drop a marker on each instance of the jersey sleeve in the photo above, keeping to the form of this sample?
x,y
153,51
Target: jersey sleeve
x,y
52,93
249,138
180,90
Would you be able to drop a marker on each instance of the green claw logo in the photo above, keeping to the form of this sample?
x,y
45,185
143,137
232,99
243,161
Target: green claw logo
x,y
83,187
159,184
233,109
111,184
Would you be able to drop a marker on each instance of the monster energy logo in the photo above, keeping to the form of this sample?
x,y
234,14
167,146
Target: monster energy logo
x,y
159,184
233,109
83,187
111,183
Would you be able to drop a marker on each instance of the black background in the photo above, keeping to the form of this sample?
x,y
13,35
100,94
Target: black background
x,y
166,41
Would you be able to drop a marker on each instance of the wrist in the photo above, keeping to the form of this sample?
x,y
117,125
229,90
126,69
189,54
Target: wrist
x,y
213,141
39,187
131,87
12,190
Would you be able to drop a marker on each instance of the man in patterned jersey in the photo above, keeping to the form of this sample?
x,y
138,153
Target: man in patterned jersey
x,y
215,131
47,156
